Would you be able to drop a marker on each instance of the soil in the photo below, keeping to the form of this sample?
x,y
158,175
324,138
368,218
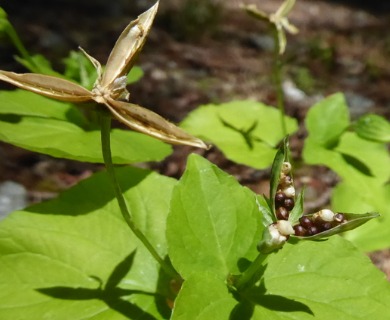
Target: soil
x,y
212,58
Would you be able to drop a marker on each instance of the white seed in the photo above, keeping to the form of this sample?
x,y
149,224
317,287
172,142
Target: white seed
x,y
326,215
277,238
289,192
284,227
286,168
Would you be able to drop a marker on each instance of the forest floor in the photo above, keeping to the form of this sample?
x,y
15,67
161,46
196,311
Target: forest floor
x,y
187,64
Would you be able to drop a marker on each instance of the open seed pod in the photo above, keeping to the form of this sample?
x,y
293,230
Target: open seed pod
x,y
322,224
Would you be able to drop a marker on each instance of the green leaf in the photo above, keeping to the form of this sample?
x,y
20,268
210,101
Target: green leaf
x,y
213,221
327,120
135,74
326,280
373,127
280,157
78,68
373,156
267,216
297,211
38,63
55,128
25,103
246,131
373,235
55,256
63,139
203,296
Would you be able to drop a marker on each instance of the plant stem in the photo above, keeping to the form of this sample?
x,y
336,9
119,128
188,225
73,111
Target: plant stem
x,y
106,149
252,274
277,77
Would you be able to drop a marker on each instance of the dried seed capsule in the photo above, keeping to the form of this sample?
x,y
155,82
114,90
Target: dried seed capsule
x,y
339,217
299,230
286,168
305,222
282,213
312,230
289,192
289,203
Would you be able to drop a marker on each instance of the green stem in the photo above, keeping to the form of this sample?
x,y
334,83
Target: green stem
x,y
277,77
252,274
106,149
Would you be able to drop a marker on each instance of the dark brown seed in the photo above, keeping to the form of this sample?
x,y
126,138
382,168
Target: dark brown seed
x,y
282,213
312,230
326,226
279,198
305,222
299,230
289,203
339,217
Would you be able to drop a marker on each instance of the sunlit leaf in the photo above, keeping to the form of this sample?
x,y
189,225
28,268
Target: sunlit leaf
x,y
213,221
247,132
373,127
75,258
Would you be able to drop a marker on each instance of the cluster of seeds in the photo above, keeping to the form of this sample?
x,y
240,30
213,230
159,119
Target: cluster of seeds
x,y
318,222
284,197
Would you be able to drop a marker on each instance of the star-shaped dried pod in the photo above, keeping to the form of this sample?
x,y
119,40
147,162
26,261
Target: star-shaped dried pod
x,y
110,86
277,19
